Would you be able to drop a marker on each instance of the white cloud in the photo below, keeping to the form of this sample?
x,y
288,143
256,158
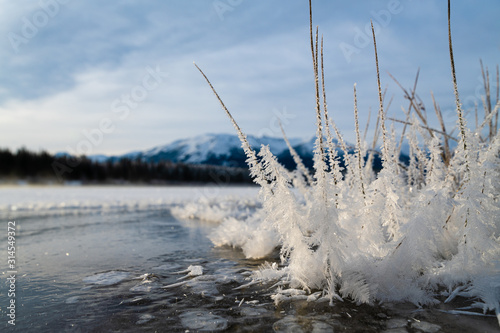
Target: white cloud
x,y
258,58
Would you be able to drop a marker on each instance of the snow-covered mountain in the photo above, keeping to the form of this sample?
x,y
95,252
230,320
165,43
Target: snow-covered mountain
x,y
225,150
217,149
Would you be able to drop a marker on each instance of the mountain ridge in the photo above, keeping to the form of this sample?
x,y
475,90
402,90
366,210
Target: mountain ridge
x,y
225,150
213,149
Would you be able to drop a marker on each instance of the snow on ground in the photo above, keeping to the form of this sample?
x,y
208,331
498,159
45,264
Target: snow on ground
x,y
234,209
33,200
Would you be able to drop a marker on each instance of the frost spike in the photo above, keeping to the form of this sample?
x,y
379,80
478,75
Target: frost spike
x,y
461,119
254,162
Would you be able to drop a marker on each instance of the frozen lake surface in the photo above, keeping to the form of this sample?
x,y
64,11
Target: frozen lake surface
x,y
131,259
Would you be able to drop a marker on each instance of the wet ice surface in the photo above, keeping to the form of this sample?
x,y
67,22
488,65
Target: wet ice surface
x,y
137,268
106,279
203,320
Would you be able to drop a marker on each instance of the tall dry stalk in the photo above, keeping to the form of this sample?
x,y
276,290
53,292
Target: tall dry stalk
x,y
328,120
314,53
296,158
358,145
461,119
488,106
487,102
381,100
411,98
321,167
252,156
446,148
498,99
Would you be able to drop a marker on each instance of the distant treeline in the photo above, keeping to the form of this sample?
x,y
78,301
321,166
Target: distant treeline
x,y
42,166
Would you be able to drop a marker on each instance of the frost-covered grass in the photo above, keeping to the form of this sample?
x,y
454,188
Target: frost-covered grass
x,y
424,232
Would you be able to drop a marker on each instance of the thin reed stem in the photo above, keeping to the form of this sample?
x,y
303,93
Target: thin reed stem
x,y
446,154
408,113
365,133
487,99
373,149
498,99
424,127
319,121
411,98
461,119
358,145
314,53
320,171
381,100
243,138
296,157
488,119
328,120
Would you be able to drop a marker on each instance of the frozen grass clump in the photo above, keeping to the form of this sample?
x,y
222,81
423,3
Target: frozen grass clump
x,y
215,209
253,235
425,232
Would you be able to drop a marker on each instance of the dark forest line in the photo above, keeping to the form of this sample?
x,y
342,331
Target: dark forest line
x,y
42,167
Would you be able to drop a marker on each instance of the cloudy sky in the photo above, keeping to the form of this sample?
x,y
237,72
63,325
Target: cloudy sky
x,y
110,77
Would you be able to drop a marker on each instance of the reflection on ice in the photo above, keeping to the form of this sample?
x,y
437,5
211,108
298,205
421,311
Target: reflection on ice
x,y
426,327
287,324
72,300
207,285
144,319
203,321
192,270
167,267
252,311
106,279
146,286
